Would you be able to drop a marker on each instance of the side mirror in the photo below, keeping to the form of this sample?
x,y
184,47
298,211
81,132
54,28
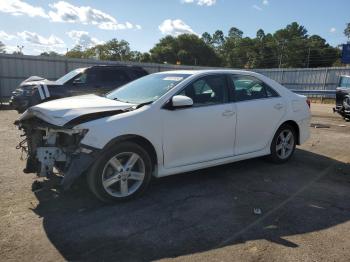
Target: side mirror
x,y
181,101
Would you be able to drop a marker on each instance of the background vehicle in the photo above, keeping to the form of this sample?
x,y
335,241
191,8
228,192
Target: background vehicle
x,y
342,100
163,124
95,79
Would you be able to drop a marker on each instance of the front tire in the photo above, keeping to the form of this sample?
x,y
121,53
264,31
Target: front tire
x,y
121,173
283,144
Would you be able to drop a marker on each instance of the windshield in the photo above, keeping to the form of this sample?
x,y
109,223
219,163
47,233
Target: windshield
x,y
62,80
147,89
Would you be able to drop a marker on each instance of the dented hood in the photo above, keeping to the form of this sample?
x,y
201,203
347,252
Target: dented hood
x,y
62,111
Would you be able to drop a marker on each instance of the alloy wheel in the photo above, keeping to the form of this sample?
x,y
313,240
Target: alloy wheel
x,y
123,174
285,144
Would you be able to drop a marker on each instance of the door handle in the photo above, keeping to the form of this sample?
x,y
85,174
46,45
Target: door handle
x,y
228,113
278,106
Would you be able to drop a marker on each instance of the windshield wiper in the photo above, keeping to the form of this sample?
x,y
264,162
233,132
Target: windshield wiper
x,y
117,99
143,104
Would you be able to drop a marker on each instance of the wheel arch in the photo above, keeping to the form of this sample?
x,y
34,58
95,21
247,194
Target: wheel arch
x,y
140,140
295,125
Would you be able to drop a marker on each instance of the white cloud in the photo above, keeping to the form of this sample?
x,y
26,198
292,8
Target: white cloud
x,y
66,12
332,30
18,7
265,2
63,11
6,36
175,27
11,48
200,2
83,39
257,7
38,40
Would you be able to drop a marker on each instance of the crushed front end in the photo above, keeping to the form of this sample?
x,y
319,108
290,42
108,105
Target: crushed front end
x,y
53,148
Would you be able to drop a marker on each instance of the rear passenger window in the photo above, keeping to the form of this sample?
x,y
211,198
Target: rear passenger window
x,y
249,88
111,76
137,73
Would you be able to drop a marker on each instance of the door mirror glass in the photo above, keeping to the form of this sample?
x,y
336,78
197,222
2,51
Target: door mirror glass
x,y
181,101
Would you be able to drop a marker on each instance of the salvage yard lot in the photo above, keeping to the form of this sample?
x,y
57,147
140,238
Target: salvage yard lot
x,y
203,215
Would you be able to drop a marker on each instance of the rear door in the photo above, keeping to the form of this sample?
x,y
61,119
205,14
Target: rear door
x,y
259,111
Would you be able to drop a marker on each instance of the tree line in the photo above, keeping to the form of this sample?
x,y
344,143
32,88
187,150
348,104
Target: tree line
x,y
288,47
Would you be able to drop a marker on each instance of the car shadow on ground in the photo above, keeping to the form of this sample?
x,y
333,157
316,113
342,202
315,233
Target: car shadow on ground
x,y
202,210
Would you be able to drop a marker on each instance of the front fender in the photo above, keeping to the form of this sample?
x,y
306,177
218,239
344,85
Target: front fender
x,y
141,123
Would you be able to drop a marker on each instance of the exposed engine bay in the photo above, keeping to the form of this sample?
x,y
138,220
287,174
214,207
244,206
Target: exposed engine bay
x,y
52,148
52,138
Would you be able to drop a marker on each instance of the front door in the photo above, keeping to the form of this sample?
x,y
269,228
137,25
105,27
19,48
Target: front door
x,y
203,132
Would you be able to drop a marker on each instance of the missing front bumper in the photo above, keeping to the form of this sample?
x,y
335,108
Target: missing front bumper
x,y
52,149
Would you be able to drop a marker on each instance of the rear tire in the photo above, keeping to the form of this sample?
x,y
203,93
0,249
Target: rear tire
x,y
121,173
283,144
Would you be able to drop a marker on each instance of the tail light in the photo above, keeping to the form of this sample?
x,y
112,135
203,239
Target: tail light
x,y
308,102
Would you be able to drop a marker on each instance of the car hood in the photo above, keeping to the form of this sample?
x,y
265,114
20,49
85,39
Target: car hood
x,y
60,112
36,80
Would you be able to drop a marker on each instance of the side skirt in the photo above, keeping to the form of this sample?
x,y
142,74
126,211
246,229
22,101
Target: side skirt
x,y
182,169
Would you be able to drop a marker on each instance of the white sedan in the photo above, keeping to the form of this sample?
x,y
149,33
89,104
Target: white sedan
x,y
163,124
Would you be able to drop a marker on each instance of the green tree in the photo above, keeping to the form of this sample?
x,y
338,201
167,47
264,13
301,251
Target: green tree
x,y
235,33
207,38
2,47
51,53
347,31
260,34
320,53
188,49
165,51
118,50
75,52
292,45
218,38
146,57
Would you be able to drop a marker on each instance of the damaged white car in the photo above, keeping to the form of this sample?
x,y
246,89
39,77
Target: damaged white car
x,y
163,124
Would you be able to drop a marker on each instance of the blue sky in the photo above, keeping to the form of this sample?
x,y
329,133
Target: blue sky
x,y
56,25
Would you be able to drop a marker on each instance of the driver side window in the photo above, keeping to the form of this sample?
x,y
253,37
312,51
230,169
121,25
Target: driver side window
x,y
208,90
81,79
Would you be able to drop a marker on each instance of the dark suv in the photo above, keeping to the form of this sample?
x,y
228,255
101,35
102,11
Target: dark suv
x,y
95,79
343,97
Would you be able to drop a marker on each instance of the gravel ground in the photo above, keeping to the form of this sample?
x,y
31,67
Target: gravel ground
x,y
200,216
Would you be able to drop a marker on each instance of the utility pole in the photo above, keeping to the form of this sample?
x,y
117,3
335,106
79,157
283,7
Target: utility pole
x,y
20,48
308,58
281,56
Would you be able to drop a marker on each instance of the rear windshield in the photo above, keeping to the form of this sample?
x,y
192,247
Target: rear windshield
x,y
344,82
64,79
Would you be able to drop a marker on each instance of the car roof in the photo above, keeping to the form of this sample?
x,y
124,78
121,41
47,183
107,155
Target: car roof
x,y
117,66
207,71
